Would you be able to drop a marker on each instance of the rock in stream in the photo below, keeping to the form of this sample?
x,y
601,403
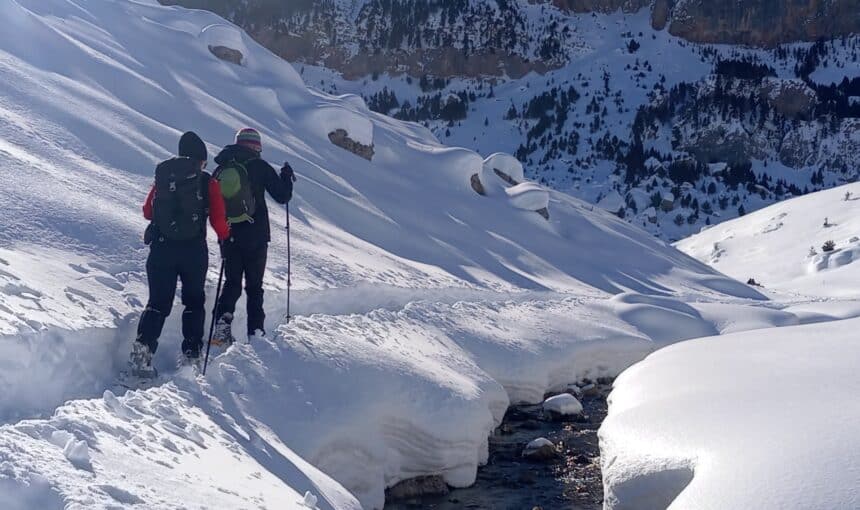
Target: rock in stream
x,y
569,480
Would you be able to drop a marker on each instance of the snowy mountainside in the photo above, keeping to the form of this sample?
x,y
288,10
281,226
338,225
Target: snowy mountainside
x,y
586,93
783,246
671,136
727,422
413,292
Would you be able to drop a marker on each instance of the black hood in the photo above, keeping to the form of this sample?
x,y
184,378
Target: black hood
x,y
237,152
191,146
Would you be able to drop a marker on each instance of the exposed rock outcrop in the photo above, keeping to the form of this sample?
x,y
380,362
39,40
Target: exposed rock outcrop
x,y
764,22
227,54
341,138
792,98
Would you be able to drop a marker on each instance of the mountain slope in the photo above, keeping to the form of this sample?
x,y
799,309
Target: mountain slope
x,y
424,308
728,422
782,246
598,98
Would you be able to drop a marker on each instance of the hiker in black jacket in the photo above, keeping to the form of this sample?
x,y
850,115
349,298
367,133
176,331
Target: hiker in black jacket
x,y
245,179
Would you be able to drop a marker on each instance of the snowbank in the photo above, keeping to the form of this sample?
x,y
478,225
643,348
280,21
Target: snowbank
x,y
660,318
226,36
506,164
747,420
528,196
324,120
162,448
835,259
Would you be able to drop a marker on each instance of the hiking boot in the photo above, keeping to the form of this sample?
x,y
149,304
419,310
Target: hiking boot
x,y
223,334
191,353
141,361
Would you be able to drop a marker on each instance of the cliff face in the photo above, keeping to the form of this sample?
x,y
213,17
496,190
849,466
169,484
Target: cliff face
x,y
749,22
762,22
437,37
601,5
503,37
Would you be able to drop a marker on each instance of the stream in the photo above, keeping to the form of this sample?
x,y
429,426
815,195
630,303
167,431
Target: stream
x,y
570,481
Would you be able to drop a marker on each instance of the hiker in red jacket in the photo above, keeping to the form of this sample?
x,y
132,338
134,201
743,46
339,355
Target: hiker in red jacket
x,y
181,200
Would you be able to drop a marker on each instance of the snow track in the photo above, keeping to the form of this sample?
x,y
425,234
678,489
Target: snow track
x,y
357,394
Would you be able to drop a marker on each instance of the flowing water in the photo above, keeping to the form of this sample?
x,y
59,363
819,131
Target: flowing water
x,y
570,482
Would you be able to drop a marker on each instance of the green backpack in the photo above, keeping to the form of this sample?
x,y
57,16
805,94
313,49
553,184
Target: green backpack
x,y
237,192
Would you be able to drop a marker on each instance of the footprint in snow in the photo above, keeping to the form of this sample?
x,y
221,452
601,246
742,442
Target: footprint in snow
x,y
80,269
79,293
110,282
22,291
134,301
9,276
121,496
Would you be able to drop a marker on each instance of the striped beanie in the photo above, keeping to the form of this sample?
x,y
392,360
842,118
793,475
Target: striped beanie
x,y
249,138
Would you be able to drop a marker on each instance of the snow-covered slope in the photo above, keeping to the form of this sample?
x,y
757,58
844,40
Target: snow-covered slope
x,y
764,419
782,246
423,308
632,114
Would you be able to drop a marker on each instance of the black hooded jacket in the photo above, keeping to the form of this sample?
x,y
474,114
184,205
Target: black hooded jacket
x,y
263,178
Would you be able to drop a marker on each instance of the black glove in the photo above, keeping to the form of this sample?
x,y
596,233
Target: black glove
x,y
287,173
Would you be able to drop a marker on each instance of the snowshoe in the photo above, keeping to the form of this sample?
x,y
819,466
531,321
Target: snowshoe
x,y
140,364
140,374
223,333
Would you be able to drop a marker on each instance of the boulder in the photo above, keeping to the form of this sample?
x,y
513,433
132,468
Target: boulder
x,y
227,54
433,485
341,138
541,450
563,405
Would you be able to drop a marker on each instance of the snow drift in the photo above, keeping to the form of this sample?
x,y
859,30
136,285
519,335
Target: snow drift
x,y
763,419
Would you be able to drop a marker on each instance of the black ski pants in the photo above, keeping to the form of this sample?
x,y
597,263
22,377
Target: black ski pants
x,y
248,260
168,261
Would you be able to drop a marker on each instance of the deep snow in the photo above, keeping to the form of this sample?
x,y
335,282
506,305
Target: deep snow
x,y
422,308
764,416
763,419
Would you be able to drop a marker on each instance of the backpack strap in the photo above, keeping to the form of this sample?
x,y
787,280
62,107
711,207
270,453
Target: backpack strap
x,y
204,192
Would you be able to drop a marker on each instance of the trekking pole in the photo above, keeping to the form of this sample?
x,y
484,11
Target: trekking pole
x,y
289,263
214,316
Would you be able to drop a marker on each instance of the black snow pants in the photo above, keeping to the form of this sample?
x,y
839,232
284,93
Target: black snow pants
x,y
168,261
246,259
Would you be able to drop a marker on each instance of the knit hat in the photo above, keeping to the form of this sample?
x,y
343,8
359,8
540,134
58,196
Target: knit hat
x,y
249,138
191,146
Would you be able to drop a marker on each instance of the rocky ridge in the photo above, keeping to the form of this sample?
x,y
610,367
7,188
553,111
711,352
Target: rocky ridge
x,y
504,37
